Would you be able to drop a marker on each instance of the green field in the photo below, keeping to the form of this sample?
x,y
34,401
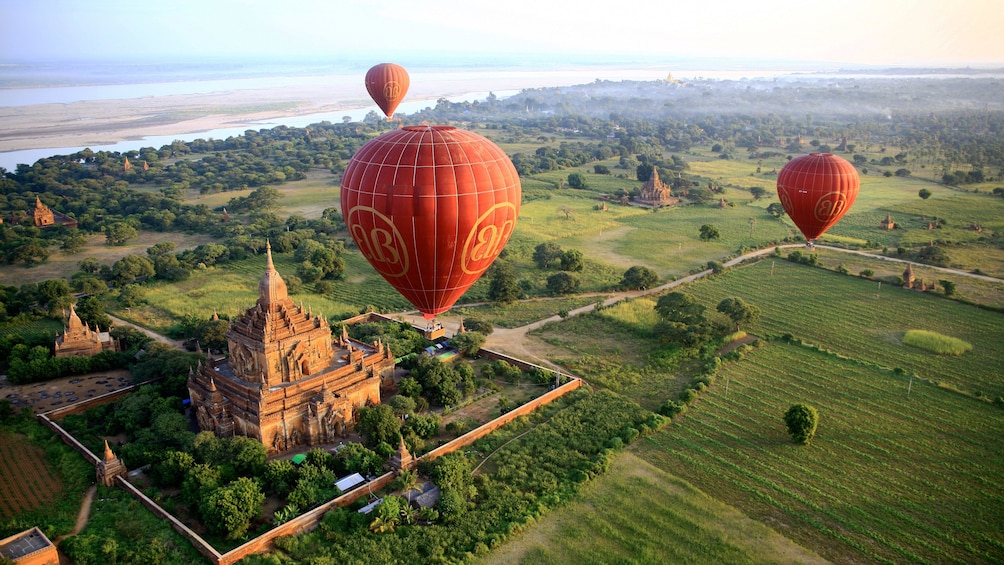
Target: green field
x,y
850,316
901,470
889,477
637,513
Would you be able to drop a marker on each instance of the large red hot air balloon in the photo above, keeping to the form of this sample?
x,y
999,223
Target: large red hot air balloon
x,y
430,207
387,84
816,190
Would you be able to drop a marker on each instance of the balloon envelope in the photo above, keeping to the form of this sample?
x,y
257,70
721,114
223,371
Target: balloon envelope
x,y
816,190
430,207
387,84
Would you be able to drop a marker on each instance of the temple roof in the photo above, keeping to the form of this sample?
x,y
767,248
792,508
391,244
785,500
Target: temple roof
x,y
271,289
74,322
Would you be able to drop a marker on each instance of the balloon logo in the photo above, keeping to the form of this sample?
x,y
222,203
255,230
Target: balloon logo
x,y
387,84
430,207
816,190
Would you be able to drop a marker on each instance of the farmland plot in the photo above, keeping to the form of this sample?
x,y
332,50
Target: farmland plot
x,y
25,480
889,477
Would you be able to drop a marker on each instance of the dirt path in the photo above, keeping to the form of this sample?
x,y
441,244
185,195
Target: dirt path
x,y
83,515
159,337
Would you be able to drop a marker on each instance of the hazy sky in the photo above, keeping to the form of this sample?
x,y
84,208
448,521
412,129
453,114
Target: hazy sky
x,y
872,32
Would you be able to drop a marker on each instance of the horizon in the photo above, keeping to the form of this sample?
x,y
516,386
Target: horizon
x,y
856,33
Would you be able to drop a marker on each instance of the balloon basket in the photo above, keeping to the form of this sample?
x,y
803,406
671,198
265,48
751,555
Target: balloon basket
x,y
434,330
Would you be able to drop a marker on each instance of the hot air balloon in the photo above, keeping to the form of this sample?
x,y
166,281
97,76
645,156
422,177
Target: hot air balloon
x,y
816,190
430,207
387,84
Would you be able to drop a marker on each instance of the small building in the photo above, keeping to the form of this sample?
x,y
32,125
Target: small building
x,y
30,547
887,223
908,276
45,217
109,467
345,484
428,497
79,339
655,193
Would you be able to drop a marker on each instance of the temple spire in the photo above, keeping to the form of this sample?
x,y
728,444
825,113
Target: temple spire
x,y
271,288
108,452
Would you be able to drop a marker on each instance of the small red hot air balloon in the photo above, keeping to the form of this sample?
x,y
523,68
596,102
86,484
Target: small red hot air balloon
x,y
816,190
387,84
430,207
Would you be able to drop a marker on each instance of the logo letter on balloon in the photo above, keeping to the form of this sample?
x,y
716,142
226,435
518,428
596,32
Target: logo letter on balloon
x,y
829,206
486,240
378,240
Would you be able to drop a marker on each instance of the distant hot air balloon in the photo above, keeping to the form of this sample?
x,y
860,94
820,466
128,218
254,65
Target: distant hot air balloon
x,y
816,190
430,207
387,84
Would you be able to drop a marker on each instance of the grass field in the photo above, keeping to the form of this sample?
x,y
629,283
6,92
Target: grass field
x,y
44,326
847,315
637,513
889,477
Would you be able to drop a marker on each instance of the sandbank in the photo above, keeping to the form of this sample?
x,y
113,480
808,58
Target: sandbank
x,y
102,122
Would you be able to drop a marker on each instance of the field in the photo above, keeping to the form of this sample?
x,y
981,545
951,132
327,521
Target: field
x,y
890,476
26,482
43,326
850,316
675,523
901,470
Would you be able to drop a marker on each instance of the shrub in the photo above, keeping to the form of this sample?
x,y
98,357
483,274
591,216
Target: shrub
x,y
801,420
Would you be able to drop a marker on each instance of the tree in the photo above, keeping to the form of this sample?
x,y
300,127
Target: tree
x,y
681,319
74,242
547,253
776,209
639,278
738,311
710,232
407,481
468,343
503,288
601,169
758,192
562,283
576,180
230,509
801,420
924,193
378,424
92,311
948,286
902,173
571,260
567,211
130,268
480,325
119,233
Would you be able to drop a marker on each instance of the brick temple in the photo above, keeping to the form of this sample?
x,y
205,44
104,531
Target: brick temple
x,y
79,339
655,193
286,382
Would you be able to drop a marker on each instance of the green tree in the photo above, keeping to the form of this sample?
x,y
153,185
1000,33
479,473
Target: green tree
x,y
739,311
758,192
407,481
948,286
130,268
571,260
639,278
230,509
468,343
776,209
119,233
378,424
576,180
91,310
562,283
547,253
74,242
801,420
503,288
924,193
710,232
480,325
131,295
681,319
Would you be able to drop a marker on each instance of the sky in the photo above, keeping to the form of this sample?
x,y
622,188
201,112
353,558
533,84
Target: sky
x,y
724,32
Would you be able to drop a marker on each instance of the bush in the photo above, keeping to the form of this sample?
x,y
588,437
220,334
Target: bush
x,y
801,420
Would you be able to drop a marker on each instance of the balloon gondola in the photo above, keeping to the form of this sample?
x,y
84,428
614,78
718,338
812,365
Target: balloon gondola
x,y
816,190
430,207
